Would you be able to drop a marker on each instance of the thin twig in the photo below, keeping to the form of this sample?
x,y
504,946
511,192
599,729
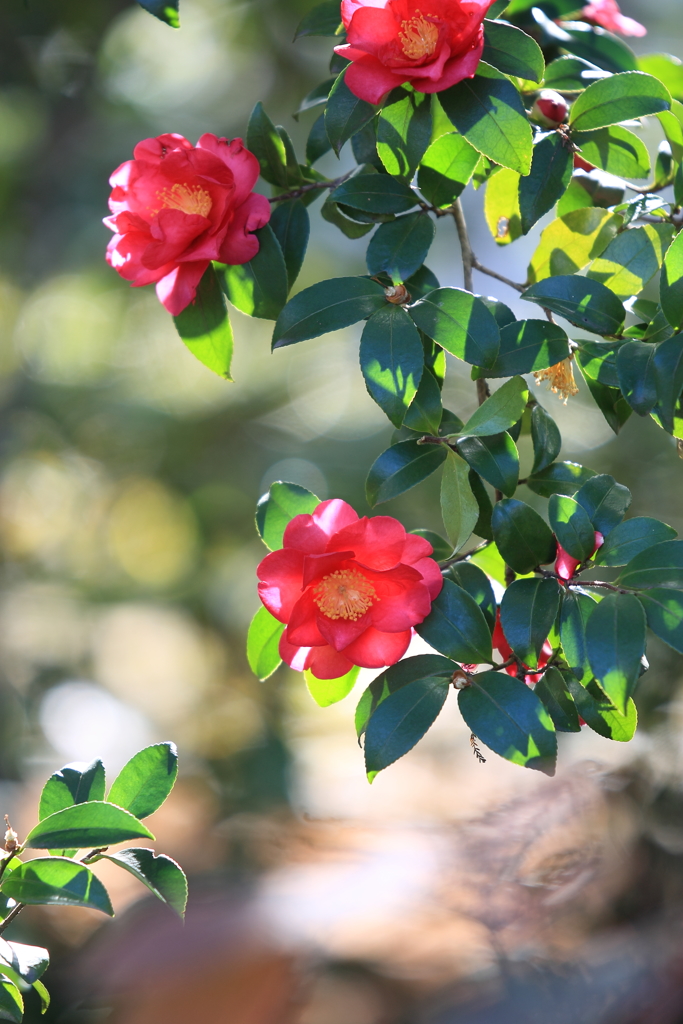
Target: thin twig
x,y
465,247
448,562
312,187
10,917
499,277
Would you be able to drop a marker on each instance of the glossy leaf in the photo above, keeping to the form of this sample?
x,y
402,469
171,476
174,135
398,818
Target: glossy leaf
x,y
280,504
205,328
404,130
43,995
610,401
394,678
73,784
259,288
400,247
272,150
501,206
587,304
456,626
664,613
327,306
460,323
425,411
20,960
551,171
571,241
559,478
571,74
263,640
528,345
446,168
605,501
459,507
615,150
600,715
161,874
615,642
598,46
482,527
322,20
401,720
577,608
490,560
501,411
57,881
330,691
631,537
667,68
471,578
527,614
636,373
571,526
96,823
671,285
659,566
11,1001
545,437
442,548
668,369
333,214
510,719
345,114
391,360
632,259
619,98
400,467
145,781
291,226
495,458
522,537
512,51
375,193
552,690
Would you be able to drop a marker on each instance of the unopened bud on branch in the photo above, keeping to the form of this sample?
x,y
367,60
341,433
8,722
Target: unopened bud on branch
x,y
550,109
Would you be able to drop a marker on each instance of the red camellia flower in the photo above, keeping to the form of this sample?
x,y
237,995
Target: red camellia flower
x,y
432,44
503,647
566,565
350,590
175,207
607,14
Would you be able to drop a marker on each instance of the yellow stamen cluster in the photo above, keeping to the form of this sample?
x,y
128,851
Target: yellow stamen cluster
x,y
344,594
190,199
419,37
560,379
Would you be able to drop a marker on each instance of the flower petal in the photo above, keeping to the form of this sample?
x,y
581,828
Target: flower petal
x,y
240,244
302,629
375,650
326,663
281,574
177,290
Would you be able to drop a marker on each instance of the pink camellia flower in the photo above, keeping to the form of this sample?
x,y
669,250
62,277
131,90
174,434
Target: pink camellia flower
x,y
432,44
175,207
566,565
607,14
349,590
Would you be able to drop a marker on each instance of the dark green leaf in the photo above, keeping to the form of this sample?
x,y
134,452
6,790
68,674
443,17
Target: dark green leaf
x,y
671,285
664,612
512,51
404,130
164,10
522,537
442,549
668,365
315,98
401,720
552,690
510,719
57,881
631,537
317,143
599,715
11,1001
610,401
559,478
605,501
615,642
395,678
345,114
159,873
291,226
615,150
488,111
425,412
528,345
263,641
391,359
527,614
572,526
280,504
205,327
636,372
545,437
446,168
327,306
401,467
587,304
96,823
272,150
660,565
503,314
456,626
333,214
73,784
477,584
460,323
400,247
259,288
598,46
576,610
495,458
145,781
501,410
599,360
551,171
482,527
421,283
622,97
375,193
326,692
322,20
571,74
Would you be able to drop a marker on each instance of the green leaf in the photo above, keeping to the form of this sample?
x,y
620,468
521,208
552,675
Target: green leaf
x,y
673,130
501,206
605,501
400,247
615,150
345,114
205,328
317,145
510,719
375,193
615,641
280,504
610,401
522,537
572,526
632,259
327,306
576,610
445,169
322,20
528,345
425,412
404,131
401,720
660,565
599,715
503,315
58,881
631,537
145,781
664,612
96,823
291,227
272,150
19,960
391,360
552,691
459,507
490,560
73,784
456,627
586,304
11,1001
442,548
495,458
668,69
401,467
488,111
501,410
482,527
569,243
470,577
43,995
551,171
460,323
668,367
545,437
599,360
622,97
671,285
559,478
512,51
598,46
351,228
164,10
395,678
161,874
571,74
329,691
636,373
527,614
315,98
259,288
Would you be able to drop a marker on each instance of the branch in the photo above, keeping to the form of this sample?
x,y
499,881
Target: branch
x,y
312,187
468,258
499,277
10,917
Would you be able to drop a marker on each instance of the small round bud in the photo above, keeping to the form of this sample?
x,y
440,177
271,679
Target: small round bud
x,y
550,109
11,838
397,294
460,680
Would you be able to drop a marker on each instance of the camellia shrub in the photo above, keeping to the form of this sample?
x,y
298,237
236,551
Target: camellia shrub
x,y
537,619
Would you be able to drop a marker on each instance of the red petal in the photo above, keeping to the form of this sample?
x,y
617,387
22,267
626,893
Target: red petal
x,y
281,574
339,633
333,515
176,290
240,245
431,575
317,566
375,650
326,663
302,532
370,80
455,70
302,629
395,614
416,547
378,542
295,657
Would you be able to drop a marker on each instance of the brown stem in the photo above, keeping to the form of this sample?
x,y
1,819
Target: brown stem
x,y
312,187
447,562
499,277
482,390
10,917
465,247
8,858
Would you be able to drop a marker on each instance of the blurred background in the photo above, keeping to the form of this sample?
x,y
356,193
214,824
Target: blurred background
x,y
449,891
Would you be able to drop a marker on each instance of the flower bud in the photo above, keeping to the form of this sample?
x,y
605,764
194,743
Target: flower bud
x,y
550,109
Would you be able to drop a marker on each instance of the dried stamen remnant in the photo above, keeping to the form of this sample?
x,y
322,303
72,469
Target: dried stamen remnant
x,y
560,379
